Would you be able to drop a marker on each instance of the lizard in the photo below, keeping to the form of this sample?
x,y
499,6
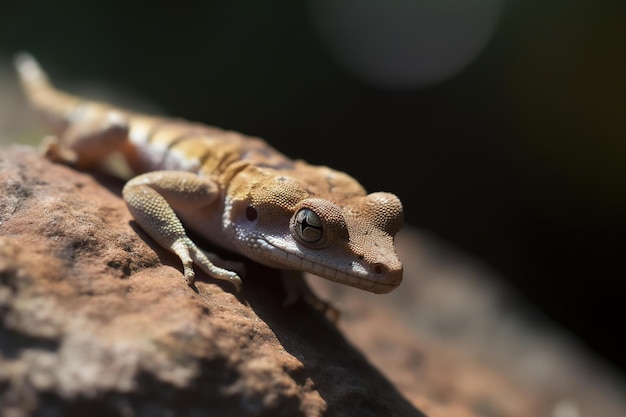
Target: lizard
x,y
234,190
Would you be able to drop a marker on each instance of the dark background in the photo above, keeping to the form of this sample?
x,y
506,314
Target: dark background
x,y
500,124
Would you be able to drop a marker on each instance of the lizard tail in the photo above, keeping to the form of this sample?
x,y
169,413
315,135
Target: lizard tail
x,y
53,105
30,71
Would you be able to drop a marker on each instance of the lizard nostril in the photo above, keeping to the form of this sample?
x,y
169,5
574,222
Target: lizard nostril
x,y
251,213
379,269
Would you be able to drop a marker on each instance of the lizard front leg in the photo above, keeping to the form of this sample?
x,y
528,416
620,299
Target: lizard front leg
x,y
296,288
153,198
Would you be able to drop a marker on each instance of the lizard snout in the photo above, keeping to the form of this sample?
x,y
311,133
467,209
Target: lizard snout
x,y
388,277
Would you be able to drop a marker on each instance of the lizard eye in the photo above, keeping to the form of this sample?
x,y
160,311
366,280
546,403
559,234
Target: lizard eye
x,y
307,226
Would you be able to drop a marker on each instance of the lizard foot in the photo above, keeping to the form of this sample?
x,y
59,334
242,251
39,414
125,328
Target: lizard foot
x,y
189,254
297,288
52,149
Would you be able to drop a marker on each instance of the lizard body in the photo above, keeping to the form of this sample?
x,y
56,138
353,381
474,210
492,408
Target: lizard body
x,y
236,191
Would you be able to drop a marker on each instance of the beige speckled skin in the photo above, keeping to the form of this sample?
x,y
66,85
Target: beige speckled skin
x,y
234,190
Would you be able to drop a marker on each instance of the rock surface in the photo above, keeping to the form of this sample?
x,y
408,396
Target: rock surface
x,y
95,319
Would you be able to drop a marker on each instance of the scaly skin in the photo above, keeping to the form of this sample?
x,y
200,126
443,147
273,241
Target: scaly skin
x,y
236,191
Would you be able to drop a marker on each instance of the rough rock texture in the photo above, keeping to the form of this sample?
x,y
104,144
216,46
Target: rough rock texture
x,y
97,320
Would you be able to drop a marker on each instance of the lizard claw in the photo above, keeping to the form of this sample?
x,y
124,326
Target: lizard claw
x,y
236,281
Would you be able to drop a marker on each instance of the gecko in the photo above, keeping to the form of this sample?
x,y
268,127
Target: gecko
x,y
234,190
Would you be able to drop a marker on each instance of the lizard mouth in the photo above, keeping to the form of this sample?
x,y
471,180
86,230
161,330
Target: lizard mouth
x,y
376,279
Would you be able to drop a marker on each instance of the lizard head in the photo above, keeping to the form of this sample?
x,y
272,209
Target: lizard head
x,y
343,237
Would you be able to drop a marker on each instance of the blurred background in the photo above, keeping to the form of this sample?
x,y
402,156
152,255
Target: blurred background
x,y
501,124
